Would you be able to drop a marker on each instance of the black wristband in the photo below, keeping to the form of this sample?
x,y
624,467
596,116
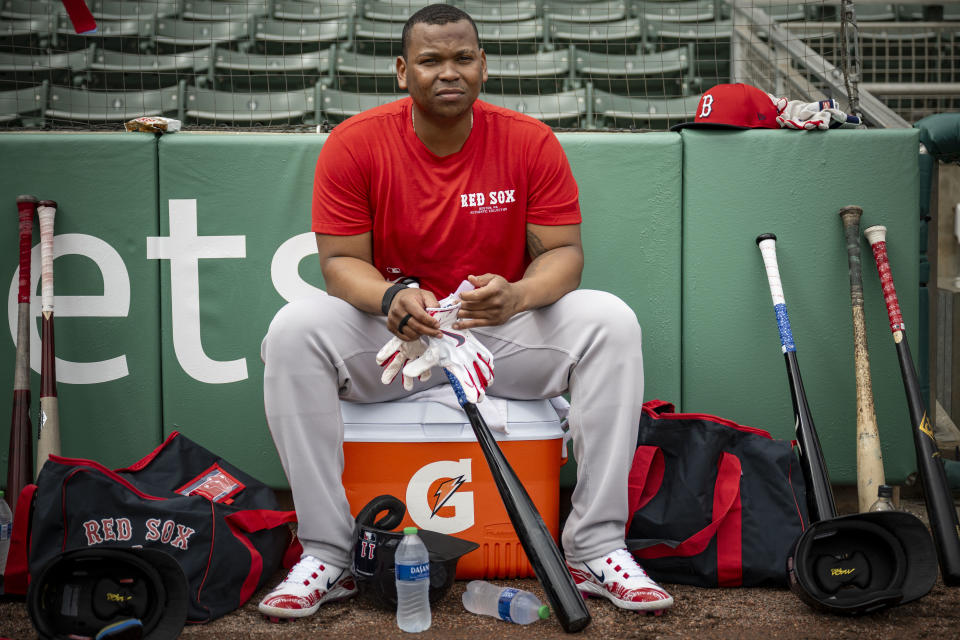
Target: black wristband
x,y
389,295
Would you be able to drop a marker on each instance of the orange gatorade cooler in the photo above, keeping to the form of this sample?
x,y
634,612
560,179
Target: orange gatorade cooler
x,y
425,454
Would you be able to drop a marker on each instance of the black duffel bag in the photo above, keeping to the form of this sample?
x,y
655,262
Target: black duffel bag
x,y
713,503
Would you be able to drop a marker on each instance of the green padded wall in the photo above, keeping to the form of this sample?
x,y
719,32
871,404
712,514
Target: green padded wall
x,y
247,195
258,198
738,185
107,292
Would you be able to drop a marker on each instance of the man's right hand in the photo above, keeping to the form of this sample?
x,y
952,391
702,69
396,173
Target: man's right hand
x,y
412,302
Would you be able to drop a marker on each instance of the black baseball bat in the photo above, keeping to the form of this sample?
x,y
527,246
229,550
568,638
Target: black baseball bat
x,y
20,452
936,491
536,540
820,501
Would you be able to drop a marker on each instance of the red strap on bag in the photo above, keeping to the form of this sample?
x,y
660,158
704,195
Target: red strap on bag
x,y
646,476
251,521
16,576
726,518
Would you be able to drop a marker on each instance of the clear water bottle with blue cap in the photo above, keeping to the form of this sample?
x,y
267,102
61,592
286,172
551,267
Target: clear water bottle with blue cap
x,y
6,530
506,603
413,583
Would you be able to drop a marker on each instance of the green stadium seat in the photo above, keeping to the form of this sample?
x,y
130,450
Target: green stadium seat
x,y
313,11
17,103
127,9
340,105
300,33
784,12
573,11
228,107
136,33
520,73
383,38
109,106
683,11
496,11
951,11
659,73
365,73
240,63
874,12
391,11
26,9
612,110
222,10
58,68
907,12
197,33
119,69
125,28
564,108
607,36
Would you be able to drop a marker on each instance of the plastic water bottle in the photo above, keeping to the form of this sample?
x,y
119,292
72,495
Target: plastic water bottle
x,y
512,605
413,583
884,499
6,529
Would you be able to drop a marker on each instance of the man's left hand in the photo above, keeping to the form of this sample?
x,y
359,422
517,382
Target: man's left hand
x,y
491,303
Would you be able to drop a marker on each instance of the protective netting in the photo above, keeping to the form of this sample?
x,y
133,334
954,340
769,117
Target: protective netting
x,y
602,64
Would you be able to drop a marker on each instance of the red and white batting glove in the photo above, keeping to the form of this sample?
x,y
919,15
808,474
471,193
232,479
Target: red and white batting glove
x,y
397,353
468,362
823,115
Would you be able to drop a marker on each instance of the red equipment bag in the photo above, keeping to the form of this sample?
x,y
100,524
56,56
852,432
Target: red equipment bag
x,y
713,503
221,525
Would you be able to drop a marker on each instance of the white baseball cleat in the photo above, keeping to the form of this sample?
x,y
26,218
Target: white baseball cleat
x,y
618,578
309,584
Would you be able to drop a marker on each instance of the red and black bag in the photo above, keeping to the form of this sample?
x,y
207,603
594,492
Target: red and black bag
x,y
221,525
713,503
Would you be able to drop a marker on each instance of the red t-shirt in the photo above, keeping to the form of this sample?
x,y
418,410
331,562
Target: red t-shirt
x,y
442,219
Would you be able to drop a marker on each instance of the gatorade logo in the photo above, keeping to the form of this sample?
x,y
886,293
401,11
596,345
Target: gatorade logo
x,y
706,106
424,504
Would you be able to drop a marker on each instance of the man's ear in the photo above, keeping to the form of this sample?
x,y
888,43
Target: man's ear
x,y
483,61
402,72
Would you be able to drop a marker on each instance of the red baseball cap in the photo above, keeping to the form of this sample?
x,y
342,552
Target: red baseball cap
x,y
733,106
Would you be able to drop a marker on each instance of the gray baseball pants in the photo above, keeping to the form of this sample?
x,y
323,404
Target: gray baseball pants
x,y
321,349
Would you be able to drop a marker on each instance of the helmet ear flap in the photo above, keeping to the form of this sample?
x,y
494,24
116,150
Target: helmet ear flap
x,y
393,506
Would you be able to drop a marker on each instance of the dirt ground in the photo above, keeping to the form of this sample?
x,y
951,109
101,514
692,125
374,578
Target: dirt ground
x,y
734,614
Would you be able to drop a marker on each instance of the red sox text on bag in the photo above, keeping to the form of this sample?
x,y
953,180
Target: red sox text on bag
x,y
121,530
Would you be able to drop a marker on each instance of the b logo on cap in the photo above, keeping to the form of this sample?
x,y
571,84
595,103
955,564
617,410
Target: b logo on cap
x,y
706,106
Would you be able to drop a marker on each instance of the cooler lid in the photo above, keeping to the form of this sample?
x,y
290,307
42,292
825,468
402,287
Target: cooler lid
x,y
425,421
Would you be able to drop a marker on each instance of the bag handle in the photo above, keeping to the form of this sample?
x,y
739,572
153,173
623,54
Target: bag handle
x,y
726,499
656,407
646,476
251,521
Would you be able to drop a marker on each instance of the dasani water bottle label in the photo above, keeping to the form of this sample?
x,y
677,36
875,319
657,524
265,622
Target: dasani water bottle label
x,y
411,572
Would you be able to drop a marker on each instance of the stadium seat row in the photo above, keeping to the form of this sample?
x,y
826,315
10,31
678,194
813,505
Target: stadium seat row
x,y
480,10
583,107
667,72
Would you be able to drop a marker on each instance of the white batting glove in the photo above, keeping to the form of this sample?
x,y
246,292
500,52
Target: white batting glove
x,y
823,114
397,353
468,363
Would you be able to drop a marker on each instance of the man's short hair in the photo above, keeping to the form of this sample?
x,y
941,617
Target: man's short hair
x,y
435,14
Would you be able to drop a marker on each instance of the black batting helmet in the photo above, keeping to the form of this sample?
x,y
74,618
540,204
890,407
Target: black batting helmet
x,y
80,593
376,544
862,563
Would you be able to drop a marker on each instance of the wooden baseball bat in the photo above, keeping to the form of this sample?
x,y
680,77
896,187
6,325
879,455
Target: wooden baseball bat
x,y
20,451
936,492
869,456
820,500
48,432
537,542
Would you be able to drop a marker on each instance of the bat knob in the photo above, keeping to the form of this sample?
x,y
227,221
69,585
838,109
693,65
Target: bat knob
x,y
765,236
48,203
